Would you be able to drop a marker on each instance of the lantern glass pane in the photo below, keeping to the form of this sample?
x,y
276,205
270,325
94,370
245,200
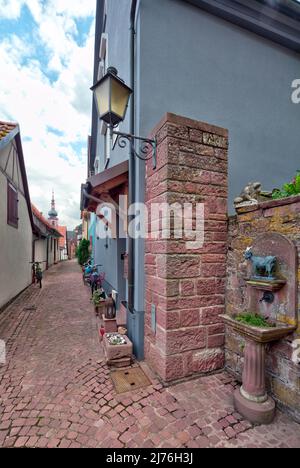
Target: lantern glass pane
x,y
119,99
102,97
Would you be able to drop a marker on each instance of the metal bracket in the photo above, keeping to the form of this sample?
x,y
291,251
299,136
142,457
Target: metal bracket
x,y
146,145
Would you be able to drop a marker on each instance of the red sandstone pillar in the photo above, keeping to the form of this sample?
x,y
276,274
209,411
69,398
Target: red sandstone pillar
x,y
254,372
251,400
185,289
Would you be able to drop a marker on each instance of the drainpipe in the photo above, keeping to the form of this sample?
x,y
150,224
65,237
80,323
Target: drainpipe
x,y
33,257
33,250
47,259
131,194
135,319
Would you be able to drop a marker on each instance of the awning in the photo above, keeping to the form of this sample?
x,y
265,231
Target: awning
x,y
107,184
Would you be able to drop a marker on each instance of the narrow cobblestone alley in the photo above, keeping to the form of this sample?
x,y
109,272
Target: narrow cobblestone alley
x,y
56,391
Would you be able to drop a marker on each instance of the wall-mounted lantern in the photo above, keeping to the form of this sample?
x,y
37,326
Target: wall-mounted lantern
x,y
112,96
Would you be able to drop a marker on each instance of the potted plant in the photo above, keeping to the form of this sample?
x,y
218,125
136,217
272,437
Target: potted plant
x,y
288,190
99,300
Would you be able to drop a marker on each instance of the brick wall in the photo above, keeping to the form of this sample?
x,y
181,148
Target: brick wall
x,y
185,289
283,377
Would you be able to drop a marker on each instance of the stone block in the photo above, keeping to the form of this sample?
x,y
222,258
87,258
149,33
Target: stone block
x,y
117,352
189,318
215,341
185,339
110,325
120,363
208,360
174,368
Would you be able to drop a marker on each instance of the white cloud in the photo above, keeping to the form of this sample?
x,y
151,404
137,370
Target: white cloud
x,y
73,8
10,9
28,96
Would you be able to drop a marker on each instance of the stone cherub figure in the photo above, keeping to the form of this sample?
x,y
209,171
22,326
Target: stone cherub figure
x,y
249,195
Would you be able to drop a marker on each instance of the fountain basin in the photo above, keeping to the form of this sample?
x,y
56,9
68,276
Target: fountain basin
x,y
259,334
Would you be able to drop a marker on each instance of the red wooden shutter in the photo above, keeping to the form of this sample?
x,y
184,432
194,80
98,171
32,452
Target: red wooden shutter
x,y
12,205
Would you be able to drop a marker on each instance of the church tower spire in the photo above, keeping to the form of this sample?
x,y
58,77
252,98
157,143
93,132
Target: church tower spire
x,y
53,215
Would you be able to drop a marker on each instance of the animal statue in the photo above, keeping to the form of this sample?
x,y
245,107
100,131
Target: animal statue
x,y
263,267
250,194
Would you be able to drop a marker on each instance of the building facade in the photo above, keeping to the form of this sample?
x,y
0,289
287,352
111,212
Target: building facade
x,y
46,244
16,222
224,63
71,244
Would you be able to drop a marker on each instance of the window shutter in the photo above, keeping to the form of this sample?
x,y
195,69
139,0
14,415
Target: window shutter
x,y
12,206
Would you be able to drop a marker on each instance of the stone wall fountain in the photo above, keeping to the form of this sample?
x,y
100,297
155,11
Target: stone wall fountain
x,y
271,297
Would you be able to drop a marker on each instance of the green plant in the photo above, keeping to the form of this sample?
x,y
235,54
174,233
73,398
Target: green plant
x,y
253,320
82,252
97,298
288,190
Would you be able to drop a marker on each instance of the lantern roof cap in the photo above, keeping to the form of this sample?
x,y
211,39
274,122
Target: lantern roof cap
x,y
112,71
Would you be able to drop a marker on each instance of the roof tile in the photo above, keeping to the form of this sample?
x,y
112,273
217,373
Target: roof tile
x,y
6,128
43,220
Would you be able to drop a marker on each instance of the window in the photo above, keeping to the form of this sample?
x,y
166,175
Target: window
x,y
103,55
12,206
103,48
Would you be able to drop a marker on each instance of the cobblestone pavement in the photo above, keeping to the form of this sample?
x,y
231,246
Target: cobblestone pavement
x,y
55,390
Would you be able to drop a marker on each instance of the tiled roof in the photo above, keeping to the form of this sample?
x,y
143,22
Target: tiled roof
x,y
43,220
6,128
63,232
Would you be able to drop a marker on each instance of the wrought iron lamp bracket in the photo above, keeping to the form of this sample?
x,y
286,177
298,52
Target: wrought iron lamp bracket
x,y
122,139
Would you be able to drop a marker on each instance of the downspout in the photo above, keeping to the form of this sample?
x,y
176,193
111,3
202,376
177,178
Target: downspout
x,y
33,250
47,259
131,184
33,257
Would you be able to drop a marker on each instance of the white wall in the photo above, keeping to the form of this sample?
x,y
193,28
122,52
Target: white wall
x,y
15,247
41,252
63,254
51,256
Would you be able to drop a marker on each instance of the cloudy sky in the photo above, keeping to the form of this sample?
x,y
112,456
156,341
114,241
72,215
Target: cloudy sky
x,y
46,62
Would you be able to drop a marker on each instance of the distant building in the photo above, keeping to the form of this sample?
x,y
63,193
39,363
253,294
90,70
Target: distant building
x,y
85,216
78,232
54,221
63,243
46,242
53,215
71,244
